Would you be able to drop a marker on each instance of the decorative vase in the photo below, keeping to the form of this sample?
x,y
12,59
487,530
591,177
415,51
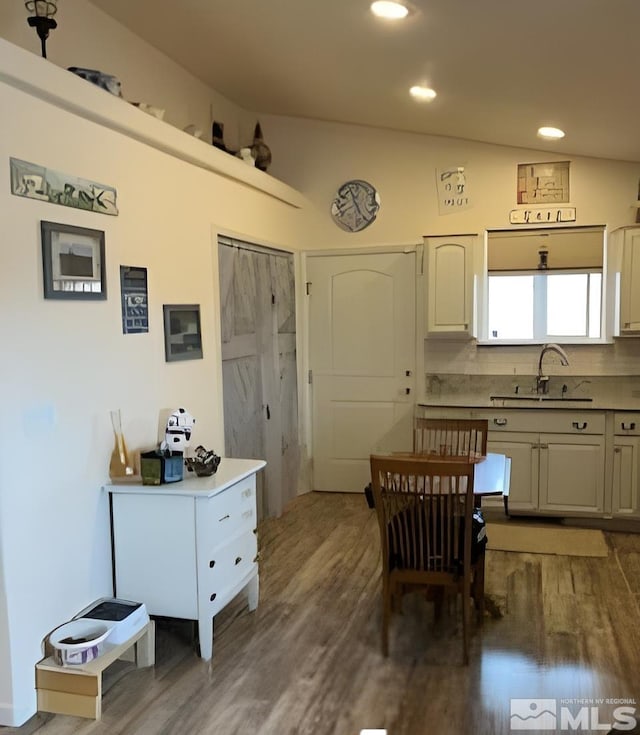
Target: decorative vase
x,y
260,150
120,464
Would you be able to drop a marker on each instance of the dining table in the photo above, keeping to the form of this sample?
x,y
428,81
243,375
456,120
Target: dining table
x,y
491,473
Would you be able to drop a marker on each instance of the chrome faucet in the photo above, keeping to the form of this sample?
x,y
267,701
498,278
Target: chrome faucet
x,y
542,381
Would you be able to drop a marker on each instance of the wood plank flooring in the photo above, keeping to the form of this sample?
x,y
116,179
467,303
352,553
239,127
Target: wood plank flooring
x,y
308,660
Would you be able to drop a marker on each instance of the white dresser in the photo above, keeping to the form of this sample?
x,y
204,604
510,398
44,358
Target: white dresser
x,y
187,548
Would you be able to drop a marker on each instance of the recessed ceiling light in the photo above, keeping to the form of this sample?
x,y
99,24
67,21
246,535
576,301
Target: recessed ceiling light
x,y
389,10
550,133
423,94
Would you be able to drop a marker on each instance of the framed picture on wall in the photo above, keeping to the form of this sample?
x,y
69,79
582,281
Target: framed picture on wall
x,y
73,264
182,335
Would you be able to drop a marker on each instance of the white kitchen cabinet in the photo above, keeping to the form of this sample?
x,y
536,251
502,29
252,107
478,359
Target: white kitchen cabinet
x,y
625,493
520,447
188,548
629,279
565,453
450,286
571,474
557,474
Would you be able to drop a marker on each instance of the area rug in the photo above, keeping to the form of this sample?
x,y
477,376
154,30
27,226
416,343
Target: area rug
x,y
536,538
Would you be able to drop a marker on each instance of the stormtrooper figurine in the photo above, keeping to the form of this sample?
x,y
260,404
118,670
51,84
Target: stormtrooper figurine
x,y
178,432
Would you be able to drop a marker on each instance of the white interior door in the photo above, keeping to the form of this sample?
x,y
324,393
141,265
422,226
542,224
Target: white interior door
x,y
362,340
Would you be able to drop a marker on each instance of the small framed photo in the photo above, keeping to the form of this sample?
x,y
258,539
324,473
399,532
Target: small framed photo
x,y
73,262
182,335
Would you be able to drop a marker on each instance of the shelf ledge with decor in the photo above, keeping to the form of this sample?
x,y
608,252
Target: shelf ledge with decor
x,y
40,78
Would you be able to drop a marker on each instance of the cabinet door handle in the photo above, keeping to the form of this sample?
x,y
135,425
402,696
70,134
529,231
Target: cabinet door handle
x,y
500,422
579,425
617,450
224,518
628,427
238,560
543,446
407,391
212,597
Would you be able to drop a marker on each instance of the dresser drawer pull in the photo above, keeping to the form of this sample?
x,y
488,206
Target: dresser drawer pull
x,y
500,422
238,560
212,564
628,427
212,597
579,425
224,518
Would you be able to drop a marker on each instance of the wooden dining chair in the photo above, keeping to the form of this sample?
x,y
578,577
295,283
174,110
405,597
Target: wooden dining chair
x,y
443,437
450,437
424,509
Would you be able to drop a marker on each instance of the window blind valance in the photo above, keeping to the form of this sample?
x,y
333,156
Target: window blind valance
x,y
566,248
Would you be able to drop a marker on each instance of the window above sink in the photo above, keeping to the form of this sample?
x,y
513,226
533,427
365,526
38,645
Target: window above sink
x,y
543,285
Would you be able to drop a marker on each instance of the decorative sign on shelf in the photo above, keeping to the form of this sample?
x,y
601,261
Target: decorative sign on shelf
x,y
538,216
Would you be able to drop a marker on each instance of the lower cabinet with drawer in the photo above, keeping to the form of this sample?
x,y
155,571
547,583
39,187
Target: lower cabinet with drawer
x,y
557,465
625,493
188,548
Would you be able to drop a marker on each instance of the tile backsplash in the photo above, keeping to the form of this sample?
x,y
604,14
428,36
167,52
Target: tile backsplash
x,y
467,358
464,372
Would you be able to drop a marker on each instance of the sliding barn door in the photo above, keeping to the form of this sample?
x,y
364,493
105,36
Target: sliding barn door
x,y
259,366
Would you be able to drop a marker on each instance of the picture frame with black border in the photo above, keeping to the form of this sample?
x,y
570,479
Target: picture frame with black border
x,y
182,333
73,262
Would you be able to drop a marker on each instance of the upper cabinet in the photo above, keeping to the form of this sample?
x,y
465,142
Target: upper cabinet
x,y
450,286
629,279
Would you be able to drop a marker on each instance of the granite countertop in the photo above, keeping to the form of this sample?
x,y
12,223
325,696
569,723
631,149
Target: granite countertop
x,y
607,393
565,404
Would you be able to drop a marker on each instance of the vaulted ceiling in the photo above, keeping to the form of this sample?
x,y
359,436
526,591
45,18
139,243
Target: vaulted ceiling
x,y
501,68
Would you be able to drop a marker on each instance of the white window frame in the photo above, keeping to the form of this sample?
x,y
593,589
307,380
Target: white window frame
x,y
607,304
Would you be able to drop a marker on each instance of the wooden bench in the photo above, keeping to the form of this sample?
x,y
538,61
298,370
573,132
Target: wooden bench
x,y
77,690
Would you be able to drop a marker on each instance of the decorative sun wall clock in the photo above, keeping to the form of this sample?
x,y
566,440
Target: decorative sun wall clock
x,y
355,205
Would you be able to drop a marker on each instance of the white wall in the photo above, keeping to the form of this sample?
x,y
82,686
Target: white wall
x,y
88,37
316,158
66,364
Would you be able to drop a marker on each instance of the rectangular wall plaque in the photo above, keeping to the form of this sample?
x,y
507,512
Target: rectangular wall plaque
x,y
539,216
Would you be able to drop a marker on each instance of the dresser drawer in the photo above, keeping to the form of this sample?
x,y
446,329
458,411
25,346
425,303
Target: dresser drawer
x,y
224,515
226,566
